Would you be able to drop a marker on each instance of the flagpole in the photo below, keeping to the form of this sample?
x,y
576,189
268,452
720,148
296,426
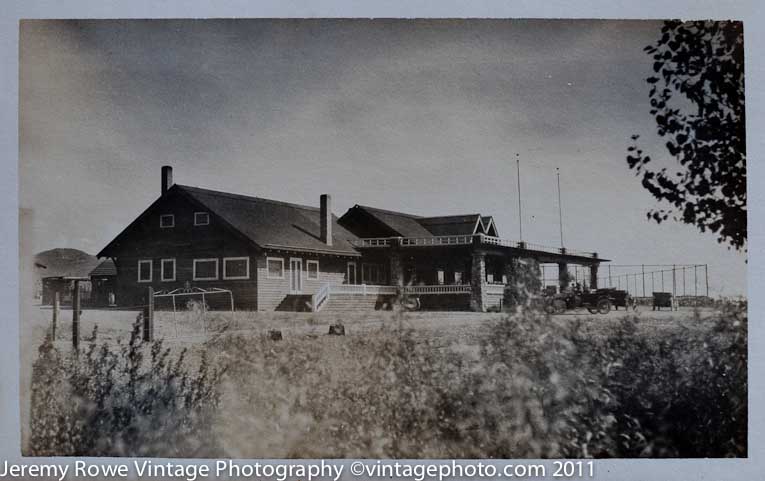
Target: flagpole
x,y
520,216
560,209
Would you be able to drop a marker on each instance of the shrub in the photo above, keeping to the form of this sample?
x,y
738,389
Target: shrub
x,y
108,401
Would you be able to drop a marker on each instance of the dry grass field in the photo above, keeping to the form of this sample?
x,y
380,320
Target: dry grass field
x,y
433,384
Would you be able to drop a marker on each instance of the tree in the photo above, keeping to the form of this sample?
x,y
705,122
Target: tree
x,y
697,100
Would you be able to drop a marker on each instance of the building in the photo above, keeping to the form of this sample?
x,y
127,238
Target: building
x,y
103,281
272,255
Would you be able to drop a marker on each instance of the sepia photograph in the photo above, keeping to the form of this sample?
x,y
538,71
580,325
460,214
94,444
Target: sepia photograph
x,y
385,238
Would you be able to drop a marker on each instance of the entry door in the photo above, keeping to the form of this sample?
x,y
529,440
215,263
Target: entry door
x,y
351,274
296,275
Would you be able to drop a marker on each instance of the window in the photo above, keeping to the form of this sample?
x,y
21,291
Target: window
x,y
275,266
372,274
236,268
205,269
458,277
201,218
312,270
166,221
144,271
440,274
167,269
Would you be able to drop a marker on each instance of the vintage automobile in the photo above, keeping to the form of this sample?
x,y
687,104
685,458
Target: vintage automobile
x,y
593,301
619,298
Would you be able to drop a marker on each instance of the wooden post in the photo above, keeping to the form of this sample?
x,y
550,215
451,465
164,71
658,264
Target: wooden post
x,y
695,282
76,316
642,268
148,317
54,321
674,287
610,281
684,293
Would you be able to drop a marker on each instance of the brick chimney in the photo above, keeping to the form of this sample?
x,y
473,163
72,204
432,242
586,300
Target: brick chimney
x,y
326,219
167,178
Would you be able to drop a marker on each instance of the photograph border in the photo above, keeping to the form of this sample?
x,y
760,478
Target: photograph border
x,y
611,469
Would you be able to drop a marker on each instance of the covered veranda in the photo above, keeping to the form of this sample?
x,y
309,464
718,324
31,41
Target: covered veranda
x,y
471,269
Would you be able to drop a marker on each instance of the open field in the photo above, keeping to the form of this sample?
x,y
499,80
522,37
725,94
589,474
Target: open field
x,y
440,384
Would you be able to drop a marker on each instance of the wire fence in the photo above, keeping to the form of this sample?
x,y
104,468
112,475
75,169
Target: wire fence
x,y
640,280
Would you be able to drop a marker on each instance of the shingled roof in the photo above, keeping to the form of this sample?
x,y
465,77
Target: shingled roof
x,y
105,269
408,225
269,224
452,224
274,224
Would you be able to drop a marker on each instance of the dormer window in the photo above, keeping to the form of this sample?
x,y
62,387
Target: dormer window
x,y
166,221
201,218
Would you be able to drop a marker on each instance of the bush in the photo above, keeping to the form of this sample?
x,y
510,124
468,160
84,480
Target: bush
x,y
538,387
118,402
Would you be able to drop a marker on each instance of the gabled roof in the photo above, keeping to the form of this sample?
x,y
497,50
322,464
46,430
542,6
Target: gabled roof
x,y
489,228
406,225
269,224
104,269
452,224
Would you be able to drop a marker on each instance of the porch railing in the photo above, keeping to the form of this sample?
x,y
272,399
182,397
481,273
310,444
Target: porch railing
x,y
451,240
438,289
367,289
362,289
443,240
495,289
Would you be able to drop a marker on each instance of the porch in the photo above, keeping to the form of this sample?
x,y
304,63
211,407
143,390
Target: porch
x,y
472,270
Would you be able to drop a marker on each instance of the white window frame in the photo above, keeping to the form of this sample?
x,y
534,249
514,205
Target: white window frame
x,y
268,271
172,224
162,270
246,276
348,274
194,270
202,223
151,270
308,270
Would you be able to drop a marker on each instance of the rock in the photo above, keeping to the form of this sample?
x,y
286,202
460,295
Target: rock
x,y
336,330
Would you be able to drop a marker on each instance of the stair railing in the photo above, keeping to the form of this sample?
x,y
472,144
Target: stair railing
x,y
320,297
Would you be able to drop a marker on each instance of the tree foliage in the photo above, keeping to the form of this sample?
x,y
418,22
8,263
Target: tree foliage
x,y
697,100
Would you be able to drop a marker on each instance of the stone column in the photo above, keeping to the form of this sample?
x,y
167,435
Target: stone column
x,y
563,277
594,276
396,264
478,300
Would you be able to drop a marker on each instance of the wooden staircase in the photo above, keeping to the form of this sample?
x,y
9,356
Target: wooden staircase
x,y
350,303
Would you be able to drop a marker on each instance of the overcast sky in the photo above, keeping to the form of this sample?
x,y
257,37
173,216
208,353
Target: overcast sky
x,y
419,116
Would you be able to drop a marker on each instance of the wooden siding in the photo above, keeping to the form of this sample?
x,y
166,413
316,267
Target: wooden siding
x,y
272,292
184,243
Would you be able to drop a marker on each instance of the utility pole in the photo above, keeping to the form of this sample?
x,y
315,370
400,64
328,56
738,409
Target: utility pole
x,y
518,176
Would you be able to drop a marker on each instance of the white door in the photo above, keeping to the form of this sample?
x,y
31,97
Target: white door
x,y
351,274
296,275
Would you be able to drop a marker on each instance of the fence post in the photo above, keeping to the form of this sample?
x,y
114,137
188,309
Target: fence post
x,y
76,316
674,286
706,278
148,317
642,268
56,307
